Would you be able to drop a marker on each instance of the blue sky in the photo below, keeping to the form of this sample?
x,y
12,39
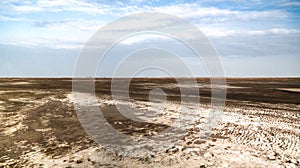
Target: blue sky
x,y
43,38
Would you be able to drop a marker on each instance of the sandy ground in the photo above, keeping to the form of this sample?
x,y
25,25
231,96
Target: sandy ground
x,y
260,126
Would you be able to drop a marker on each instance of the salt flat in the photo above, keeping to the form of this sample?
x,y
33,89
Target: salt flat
x,y
260,125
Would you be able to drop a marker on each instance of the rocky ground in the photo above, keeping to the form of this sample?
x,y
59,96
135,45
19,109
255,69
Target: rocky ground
x,y
260,125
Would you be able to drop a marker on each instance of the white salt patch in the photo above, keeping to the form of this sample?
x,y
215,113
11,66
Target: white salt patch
x,y
14,124
43,130
25,91
290,89
203,86
20,100
20,83
83,99
14,83
236,118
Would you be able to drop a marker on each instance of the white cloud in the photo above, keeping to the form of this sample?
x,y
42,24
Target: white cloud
x,y
71,24
56,42
217,32
193,10
213,14
28,8
274,31
223,32
21,19
143,37
288,4
59,6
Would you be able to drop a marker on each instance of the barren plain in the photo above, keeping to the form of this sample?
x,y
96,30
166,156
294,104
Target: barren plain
x,y
260,125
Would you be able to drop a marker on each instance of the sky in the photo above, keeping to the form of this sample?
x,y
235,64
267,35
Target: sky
x,y
254,38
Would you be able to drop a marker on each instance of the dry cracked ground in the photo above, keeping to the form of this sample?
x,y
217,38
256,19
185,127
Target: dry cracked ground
x,y
259,127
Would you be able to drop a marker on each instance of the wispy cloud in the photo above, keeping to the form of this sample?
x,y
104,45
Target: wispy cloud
x,y
20,19
54,43
211,32
213,14
70,24
275,31
289,4
142,38
60,6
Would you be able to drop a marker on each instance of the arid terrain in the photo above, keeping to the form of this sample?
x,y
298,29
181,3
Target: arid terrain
x,y
259,127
